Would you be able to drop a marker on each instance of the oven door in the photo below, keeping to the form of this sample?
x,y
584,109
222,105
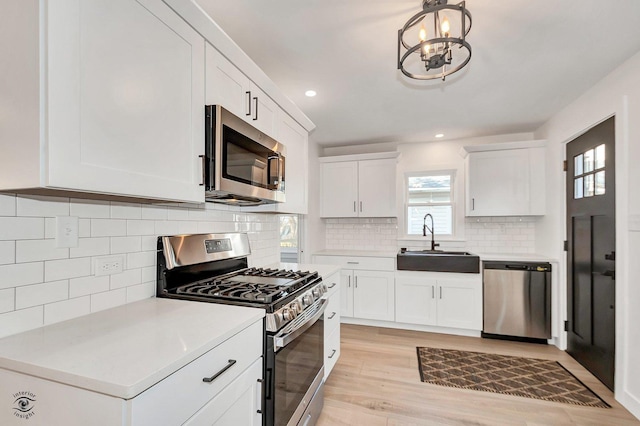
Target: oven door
x,y
294,370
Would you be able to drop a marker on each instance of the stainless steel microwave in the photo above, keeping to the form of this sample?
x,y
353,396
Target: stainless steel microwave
x,y
242,165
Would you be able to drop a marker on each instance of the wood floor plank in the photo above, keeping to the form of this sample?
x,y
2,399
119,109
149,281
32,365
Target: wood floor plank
x,y
376,382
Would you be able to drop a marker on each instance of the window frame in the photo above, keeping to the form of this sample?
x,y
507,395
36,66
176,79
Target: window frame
x,y
453,202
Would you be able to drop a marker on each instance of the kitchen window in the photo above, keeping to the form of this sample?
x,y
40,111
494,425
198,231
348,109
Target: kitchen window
x,y
430,192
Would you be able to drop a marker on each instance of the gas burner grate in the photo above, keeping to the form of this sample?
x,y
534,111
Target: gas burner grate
x,y
261,285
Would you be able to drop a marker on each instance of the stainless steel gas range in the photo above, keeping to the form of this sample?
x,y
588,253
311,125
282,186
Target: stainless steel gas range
x,y
214,268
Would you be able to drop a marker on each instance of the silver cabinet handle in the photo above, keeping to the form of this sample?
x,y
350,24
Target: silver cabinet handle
x,y
356,282
331,286
349,285
219,373
353,263
354,206
204,166
333,314
333,352
360,206
259,396
433,292
440,292
473,204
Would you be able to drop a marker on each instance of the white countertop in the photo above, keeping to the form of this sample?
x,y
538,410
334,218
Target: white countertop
x,y
363,253
519,257
323,270
124,350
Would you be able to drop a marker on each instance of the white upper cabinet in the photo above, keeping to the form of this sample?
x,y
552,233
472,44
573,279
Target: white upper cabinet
x,y
121,100
231,88
354,187
506,180
226,84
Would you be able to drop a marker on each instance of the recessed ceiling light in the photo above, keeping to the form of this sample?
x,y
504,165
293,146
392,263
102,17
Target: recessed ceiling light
x,y
310,93
440,135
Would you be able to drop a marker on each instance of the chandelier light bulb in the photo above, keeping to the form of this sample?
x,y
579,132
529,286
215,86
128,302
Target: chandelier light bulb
x,y
445,26
426,49
423,33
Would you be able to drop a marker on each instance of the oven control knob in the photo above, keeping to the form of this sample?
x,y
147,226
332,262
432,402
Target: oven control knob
x,y
307,299
287,314
316,293
295,309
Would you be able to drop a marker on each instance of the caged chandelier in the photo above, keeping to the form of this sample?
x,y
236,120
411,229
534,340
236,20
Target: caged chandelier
x,y
432,43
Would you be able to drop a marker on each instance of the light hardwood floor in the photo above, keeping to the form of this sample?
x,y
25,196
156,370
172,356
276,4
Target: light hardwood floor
x,y
376,382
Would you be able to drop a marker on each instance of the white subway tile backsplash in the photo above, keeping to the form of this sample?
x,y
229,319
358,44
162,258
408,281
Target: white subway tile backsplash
x,y
108,227
58,283
67,268
90,247
141,291
108,299
36,250
22,320
88,285
126,211
126,278
7,205
140,227
39,294
125,244
7,252
21,228
154,213
67,309
95,209
7,300
41,206
16,275
141,259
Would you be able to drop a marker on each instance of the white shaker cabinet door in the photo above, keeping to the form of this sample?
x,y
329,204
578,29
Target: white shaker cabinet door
x,y
416,300
346,293
377,188
339,189
125,99
226,85
373,295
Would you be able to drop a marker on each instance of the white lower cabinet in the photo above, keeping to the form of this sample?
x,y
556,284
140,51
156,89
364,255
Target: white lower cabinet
x,y
239,404
232,398
439,299
367,295
332,323
367,286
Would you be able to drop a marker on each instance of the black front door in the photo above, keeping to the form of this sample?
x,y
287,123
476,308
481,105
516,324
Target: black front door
x,y
591,263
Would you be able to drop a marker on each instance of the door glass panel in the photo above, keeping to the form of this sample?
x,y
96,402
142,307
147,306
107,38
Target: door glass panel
x,y
588,186
600,187
578,190
588,161
577,165
599,157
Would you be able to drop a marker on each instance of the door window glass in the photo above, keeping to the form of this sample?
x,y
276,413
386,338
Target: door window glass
x,y
589,173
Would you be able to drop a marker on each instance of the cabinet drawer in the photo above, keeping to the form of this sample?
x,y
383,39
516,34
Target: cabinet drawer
x,y
177,397
359,262
333,284
331,351
332,314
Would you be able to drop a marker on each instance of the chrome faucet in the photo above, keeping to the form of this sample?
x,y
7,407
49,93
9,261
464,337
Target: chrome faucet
x,y
431,230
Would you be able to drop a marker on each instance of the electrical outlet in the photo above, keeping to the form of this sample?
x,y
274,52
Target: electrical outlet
x,y
108,265
66,231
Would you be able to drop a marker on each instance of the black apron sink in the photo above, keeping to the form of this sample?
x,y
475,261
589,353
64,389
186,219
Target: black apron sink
x,y
438,261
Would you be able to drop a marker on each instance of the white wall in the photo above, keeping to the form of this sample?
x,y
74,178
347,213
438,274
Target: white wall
x,y
41,284
618,94
314,226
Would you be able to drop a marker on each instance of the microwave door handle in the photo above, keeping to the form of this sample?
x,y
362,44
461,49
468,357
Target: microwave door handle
x,y
271,158
280,341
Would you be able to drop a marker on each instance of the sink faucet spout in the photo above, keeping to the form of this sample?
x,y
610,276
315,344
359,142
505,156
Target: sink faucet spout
x,y
431,230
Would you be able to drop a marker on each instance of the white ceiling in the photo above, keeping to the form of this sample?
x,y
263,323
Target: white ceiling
x,y
530,59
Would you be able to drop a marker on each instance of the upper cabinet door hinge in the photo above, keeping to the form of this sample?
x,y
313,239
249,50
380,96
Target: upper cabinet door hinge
x,y
565,166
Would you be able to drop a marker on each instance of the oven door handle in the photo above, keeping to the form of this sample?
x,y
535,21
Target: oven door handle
x,y
282,341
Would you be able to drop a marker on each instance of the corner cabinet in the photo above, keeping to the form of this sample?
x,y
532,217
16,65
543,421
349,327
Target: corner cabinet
x,y
439,299
506,179
367,288
358,185
109,99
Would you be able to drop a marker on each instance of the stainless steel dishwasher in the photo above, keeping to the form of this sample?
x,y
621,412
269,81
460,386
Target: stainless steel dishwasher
x,y
517,301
